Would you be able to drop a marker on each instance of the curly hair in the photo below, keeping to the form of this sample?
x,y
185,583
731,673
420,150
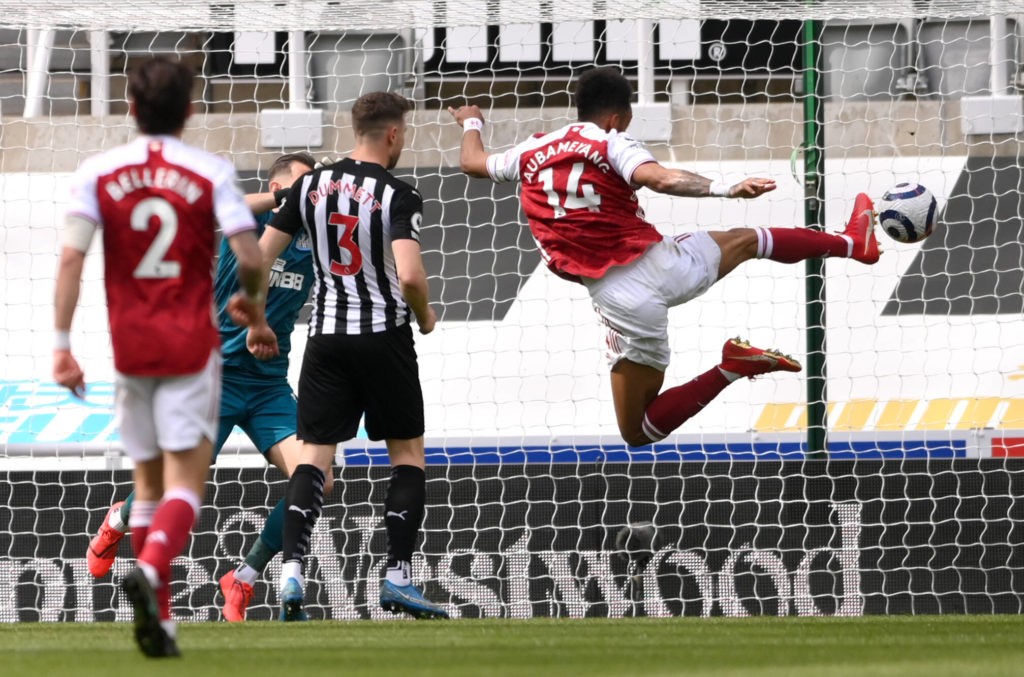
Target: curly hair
x,y
602,90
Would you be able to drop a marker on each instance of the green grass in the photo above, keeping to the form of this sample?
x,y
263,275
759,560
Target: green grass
x,y
901,646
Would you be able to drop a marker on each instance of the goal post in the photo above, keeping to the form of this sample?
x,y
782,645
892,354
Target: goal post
x,y
535,506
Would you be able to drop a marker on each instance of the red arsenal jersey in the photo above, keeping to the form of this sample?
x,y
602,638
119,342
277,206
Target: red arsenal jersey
x,y
158,202
577,197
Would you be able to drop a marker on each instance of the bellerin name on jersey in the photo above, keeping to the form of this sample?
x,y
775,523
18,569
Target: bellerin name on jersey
x,y
131,179
577,147
345,189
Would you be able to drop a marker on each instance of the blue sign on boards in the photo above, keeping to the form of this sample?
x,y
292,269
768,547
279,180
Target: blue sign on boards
x,y
39,413
35,412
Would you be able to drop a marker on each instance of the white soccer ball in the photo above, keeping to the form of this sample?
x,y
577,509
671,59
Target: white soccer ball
x,y
907,212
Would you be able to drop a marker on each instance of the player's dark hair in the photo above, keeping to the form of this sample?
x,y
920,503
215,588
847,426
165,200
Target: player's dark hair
x,y
162,92
602,90
376,111
283,164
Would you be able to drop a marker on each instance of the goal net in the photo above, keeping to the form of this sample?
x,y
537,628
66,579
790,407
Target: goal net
x,y
535,506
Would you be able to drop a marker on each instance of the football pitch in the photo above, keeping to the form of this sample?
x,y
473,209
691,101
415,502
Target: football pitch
x,y
901,646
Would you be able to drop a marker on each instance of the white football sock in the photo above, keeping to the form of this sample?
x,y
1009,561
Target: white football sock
x,y
291,570
400,574
246,573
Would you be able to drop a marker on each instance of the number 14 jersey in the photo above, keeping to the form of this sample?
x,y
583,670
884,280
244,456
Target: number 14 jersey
x,y
576,193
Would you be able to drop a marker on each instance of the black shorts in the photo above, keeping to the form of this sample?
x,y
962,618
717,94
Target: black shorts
x,y
346,376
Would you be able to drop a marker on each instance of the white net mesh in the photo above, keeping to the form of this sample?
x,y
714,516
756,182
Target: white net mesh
x,y
535,505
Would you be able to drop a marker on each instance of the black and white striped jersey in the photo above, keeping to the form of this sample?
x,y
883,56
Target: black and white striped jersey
x,y
352,212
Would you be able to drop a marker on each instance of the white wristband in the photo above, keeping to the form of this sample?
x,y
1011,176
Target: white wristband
x,y
472,124
61,340
720,188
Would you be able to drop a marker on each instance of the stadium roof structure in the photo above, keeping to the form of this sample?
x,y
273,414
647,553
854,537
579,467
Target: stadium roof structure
x,y
282,15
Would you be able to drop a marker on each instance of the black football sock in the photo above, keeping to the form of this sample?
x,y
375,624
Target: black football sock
x,y
403,516
304,500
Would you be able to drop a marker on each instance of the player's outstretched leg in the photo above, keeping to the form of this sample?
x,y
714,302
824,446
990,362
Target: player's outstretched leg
x,y
103,546
155,638
237,585
404,507
790,245
675,406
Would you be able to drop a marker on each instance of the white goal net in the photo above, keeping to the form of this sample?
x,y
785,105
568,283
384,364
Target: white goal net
x,y
535,506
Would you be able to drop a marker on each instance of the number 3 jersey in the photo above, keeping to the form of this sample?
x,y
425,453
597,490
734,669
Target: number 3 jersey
x,y
352,212
576,193
158,202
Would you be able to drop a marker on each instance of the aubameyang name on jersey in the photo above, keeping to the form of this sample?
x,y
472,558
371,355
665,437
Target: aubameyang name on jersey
x,y
581,148
346,190
130,179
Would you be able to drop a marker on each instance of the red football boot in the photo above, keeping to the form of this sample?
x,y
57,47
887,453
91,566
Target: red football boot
x,y
237,595
103,546
739,357
861,229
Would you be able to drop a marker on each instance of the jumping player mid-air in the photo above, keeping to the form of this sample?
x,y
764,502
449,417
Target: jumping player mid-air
x,y
578,190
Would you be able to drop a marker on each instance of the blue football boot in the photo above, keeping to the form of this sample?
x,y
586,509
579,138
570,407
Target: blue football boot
x,y
408,599
292,595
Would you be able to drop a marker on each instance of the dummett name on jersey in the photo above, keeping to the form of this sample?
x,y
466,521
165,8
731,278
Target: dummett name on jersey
x,y
345,190
130,179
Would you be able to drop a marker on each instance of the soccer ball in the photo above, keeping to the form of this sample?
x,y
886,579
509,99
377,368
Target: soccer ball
x,y
907,212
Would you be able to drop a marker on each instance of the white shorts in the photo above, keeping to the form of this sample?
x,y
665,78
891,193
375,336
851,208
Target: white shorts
x,y
167,413
633,300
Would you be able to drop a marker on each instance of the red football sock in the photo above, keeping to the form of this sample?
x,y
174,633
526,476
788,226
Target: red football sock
x,y
139,521
167,537
790,245
163,601
673,407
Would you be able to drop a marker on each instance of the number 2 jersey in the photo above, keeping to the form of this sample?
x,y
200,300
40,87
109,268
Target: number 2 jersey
x,y
576,193
158,203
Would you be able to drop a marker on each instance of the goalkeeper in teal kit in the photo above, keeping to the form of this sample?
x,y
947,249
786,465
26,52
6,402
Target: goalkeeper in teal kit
x,y
255,394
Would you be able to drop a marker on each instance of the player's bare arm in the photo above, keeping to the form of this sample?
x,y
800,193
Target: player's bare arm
x,y
247,307
412,279
473,156
261,340
682,183
261,203
66,370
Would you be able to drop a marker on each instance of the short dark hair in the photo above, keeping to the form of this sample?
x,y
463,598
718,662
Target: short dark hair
x,y
602,90
283,164
162,92
377,110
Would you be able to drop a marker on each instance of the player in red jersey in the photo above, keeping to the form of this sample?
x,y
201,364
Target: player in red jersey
x,y
159,202
578,190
